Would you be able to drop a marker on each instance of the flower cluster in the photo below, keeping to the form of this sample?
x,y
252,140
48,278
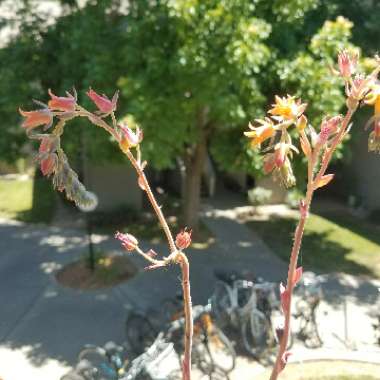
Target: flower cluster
x,y
361,89
286,111
289,111
52,159
318,148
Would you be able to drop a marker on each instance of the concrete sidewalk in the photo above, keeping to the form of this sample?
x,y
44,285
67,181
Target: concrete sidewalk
x,y
43,325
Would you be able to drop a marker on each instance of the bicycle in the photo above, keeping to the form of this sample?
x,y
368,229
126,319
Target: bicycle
x,y
159,362
212,350
253,308
107,362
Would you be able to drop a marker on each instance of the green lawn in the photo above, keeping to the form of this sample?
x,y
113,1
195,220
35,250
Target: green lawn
x,y
334,242
27,200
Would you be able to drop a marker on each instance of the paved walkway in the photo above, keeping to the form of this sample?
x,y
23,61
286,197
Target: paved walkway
x,y
43,325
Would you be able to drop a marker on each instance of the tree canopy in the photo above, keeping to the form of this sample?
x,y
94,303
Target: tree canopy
x,y
189,70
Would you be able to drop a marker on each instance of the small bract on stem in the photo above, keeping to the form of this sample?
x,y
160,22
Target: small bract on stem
x,y
53,162
318,148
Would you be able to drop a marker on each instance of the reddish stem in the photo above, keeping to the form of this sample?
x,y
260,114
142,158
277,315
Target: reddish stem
x,y
279,364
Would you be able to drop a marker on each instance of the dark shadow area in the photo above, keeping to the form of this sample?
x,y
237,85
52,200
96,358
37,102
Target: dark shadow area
x,y
361,226
337,288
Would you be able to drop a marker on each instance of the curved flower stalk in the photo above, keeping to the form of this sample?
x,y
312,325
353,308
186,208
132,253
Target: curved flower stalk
x,y
53,162
318,148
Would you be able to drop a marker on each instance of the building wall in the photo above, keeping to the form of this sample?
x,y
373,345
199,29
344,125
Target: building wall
x,y
115,185
366,173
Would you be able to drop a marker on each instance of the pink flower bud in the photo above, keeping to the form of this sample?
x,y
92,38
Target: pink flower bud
x,y
128,241
62,103
104,104
183,239
328,128
347,63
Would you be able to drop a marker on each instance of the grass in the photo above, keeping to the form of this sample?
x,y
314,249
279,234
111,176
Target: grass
x,y
328,370
333,242
27,200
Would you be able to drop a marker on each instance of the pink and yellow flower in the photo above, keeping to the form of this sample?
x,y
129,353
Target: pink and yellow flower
x,y
261,133
36,118
287,109
104,104
373,98
62,103
129,138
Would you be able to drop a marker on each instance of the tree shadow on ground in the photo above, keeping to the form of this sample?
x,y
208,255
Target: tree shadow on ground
x,y
362,227
318,252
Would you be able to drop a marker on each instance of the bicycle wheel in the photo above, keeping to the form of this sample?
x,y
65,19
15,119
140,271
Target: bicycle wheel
x,y
221,302
96,358
140,332
221,350
201,356
256,334
309,333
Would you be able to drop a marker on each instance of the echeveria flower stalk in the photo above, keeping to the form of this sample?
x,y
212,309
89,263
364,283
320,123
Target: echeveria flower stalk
x,y
53,161
318,149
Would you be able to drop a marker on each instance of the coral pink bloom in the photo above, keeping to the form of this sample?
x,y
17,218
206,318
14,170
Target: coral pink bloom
x,y
62,103
104,104
36,118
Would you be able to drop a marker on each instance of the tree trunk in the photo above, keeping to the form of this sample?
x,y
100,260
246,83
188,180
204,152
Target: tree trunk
x,y
194,163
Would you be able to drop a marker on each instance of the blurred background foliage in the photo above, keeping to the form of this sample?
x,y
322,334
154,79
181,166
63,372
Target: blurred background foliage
x,y
170,58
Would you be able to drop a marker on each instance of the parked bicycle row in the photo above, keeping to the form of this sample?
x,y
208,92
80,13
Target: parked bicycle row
x,y
241,307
